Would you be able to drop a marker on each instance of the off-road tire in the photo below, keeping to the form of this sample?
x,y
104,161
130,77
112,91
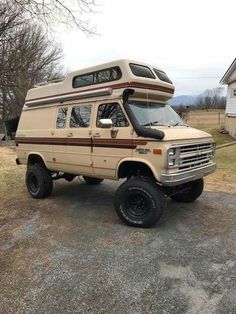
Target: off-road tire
x,y
92,181
191,194
39,181
139,202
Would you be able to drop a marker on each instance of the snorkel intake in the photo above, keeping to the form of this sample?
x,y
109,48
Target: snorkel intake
x,y
139,129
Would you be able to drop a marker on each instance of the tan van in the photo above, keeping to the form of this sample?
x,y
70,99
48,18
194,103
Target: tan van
x,y
113,121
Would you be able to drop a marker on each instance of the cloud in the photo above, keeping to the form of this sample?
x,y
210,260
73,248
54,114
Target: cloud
x,y
188,39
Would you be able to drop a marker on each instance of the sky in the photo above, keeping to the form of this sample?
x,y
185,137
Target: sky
x,y
193,41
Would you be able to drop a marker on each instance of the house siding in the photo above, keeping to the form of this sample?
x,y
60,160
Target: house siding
x,y
230,125
231,101
230,120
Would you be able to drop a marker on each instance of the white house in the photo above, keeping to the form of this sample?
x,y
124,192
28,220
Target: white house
x,y
229,78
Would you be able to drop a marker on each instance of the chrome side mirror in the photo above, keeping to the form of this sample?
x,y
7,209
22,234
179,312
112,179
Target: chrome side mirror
x,y
105,123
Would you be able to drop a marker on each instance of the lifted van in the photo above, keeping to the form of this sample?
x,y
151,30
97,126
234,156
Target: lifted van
x,y
113,121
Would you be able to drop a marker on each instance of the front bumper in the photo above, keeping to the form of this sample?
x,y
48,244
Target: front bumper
x,y
174,179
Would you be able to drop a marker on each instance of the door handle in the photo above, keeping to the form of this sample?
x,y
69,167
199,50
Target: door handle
x,y
69,134
97,135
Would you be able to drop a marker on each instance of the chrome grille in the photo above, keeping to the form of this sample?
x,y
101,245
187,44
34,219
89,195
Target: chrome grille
x,y
195,155
195,147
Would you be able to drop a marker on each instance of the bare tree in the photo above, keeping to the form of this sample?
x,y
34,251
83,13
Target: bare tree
x,y
9,19
211,99
48,12
29,59
26,55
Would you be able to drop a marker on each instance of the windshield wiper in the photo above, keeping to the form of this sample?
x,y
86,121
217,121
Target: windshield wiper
x,y
179,123
150,123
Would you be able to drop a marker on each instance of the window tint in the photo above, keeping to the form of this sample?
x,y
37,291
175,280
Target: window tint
x,y
141,70
80,117
61,118
83,80
98,77
113,112
162,76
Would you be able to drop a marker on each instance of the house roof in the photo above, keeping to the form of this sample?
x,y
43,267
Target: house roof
x,y
226,78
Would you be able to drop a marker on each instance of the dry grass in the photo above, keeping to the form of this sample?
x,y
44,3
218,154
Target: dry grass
x,y
224,179
11,178
218,137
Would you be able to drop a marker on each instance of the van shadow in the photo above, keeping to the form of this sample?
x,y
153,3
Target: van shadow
x,y
96,202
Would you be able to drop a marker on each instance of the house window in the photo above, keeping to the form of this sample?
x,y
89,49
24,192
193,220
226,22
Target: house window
x,y
114,112
233,92
61,118
80,117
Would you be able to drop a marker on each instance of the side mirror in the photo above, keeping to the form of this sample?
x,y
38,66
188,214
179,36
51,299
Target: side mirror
x,y
105,123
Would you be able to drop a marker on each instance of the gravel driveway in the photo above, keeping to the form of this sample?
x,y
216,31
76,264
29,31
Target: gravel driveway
x,y
70,253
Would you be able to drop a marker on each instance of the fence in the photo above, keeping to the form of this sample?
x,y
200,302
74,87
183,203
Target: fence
x,y
204,118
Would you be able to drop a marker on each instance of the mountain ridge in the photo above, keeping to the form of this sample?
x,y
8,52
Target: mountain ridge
x,y
185,100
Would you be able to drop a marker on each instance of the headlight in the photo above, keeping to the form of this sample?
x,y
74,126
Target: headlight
x,y
172,158
171,152
171,163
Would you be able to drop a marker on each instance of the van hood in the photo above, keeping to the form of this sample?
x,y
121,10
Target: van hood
x,y
175,133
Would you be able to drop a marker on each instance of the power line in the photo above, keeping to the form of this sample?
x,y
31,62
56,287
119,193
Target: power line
x,y
197,77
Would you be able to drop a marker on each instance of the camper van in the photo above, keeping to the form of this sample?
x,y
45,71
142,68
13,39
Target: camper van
x,y
113,121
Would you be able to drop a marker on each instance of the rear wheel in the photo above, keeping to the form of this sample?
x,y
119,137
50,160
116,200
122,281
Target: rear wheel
x,y
39,181
190,193
138,202
92,181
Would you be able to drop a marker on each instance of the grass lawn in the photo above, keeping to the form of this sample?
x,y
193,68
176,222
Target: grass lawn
x,y
224,179
218,137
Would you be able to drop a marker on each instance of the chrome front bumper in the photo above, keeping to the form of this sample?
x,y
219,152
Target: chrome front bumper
x,y
174,179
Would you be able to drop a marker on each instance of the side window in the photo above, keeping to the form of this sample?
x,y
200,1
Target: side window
x,y
97,77
141,70
80,117
113,112
162,76
61,118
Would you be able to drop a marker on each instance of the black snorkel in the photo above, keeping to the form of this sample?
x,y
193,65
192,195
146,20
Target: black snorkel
x,y
139,129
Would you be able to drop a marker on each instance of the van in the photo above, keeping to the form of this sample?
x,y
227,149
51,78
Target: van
x,y
113,121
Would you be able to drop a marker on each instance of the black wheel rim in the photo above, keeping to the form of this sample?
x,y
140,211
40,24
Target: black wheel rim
x,y
137,204
34,184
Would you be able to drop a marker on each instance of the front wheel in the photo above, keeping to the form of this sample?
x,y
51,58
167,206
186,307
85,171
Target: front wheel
x,y
190,193
138,202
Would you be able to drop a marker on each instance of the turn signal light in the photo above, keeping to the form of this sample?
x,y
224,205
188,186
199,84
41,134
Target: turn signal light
x,y
157,151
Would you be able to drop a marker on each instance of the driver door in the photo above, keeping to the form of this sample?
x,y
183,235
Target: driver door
x,y
110,145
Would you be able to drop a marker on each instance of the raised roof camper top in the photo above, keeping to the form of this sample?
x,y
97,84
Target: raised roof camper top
x,y
105,80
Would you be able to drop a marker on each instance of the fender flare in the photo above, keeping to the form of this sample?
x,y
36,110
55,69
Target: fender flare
x,y
145,162
37,154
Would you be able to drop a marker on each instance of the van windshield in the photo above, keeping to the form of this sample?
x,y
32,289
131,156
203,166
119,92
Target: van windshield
x,y
153,113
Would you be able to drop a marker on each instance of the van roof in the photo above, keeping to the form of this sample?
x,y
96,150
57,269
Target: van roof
x,y
128,74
